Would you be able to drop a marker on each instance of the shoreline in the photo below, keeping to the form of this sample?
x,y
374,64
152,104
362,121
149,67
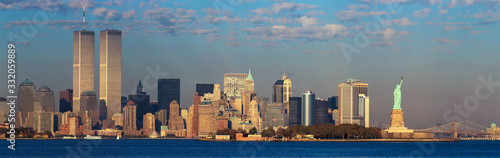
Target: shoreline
x,y
342,140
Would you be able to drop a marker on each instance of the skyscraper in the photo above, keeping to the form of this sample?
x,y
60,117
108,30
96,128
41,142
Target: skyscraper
x,y
274,115
43,122
287,88
203,88
129,117
168,90
248,93
278,92
141,100
234,84
25,101
321,111
83,64
148,123
66,100
88,103
308,111
349,93
295,113
175,121
110,70
44,99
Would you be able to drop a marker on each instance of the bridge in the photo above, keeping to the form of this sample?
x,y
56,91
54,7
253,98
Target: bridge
x,y
464,128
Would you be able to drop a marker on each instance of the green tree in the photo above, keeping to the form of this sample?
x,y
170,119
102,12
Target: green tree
x,y
253,131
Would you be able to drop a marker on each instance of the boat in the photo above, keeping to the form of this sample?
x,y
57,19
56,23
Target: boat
x,y
92,137
69,137
117,137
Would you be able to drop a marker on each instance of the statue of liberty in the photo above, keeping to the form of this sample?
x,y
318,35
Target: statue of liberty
x,y
397,95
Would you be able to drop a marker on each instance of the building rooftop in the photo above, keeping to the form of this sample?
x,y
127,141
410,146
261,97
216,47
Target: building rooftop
x,y
279,82
27,83
44,88
249,77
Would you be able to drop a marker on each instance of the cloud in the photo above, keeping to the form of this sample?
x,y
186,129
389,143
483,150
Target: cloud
x,y
477,32
448,41
167,17
354,7
353,15
111,14
404,22
389,33
444,48
310,33
382,44
447,23
451,28
217,16
278,8
388,2
128,15
204,31
442,11
308,21
422,13
314,13
78,4
486,3
491,17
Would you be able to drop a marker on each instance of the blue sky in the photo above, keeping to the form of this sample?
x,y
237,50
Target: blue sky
x,y
441,47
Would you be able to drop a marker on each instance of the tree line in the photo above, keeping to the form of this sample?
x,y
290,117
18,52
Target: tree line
x,y
323,131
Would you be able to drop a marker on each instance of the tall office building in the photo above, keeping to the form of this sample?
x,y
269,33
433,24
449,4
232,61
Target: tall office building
x,y
44,99
110,70
349,94
274,115
168,90
203,88
321,111
278,92
83,64
333,101
25,101
43,122
193,118
148,123
141,100
364,110
88,105
287,88
175,121
308,108
66,100
234,84
129,117
248,93
217,93
295,111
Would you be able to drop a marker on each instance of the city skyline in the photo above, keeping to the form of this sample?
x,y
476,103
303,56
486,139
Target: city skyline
x,y
428,90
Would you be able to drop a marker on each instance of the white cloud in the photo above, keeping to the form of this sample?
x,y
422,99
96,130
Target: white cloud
x,y
204,31
389,33
308,21
354,7
422,13
443,11
448,41
128,15
217,16
283,7
311,33
106,13
402,22
353,15
451,28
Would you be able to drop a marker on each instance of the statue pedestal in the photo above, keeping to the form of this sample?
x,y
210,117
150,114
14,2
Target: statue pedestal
x,y
397,123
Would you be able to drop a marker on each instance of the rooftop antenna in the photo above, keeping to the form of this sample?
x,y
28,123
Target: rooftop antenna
x,y
83,16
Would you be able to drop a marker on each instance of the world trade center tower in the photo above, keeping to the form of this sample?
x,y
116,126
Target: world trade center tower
x,y
110,69
83,65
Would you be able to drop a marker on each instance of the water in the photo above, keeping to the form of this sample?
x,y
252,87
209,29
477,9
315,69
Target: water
x,y
193,148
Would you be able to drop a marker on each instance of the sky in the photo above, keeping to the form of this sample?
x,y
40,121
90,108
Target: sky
x,y
447,51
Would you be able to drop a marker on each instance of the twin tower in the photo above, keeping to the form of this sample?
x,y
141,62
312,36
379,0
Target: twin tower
x,y
110,69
